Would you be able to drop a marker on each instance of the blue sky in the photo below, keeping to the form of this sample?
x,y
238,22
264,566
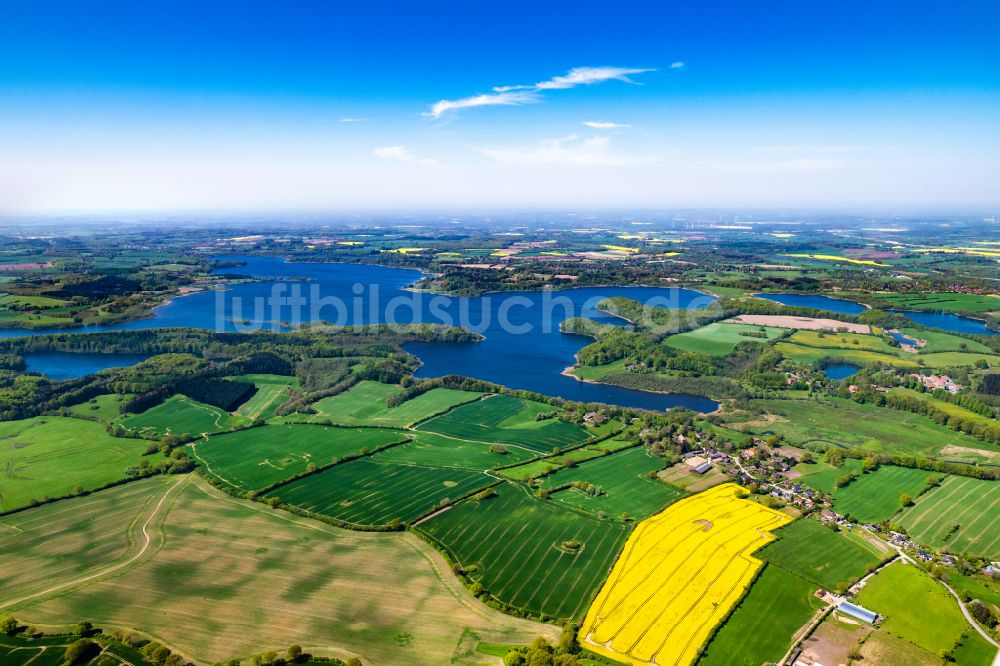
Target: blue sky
x,y
329,105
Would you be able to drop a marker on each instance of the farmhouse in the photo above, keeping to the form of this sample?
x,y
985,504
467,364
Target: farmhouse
x,y
698,464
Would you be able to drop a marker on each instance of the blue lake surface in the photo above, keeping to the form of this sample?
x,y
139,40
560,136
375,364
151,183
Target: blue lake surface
x,y
815,301
67,365
840,370
523,347
947,321
903,340
943,320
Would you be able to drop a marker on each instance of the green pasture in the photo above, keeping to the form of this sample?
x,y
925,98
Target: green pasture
x,y
915,607
624,479
761,628
942,302
52,456
875,496
961,515
944,342
847,424
272,390
179,414
365,404
428,448
257,457
817,553
535,468
367,492
107,407
515,546
719,339
505,420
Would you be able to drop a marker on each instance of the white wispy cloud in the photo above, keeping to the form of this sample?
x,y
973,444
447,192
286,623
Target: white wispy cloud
x,y
524,94
402,154
572,150
602,125
677,65
355,120
509,98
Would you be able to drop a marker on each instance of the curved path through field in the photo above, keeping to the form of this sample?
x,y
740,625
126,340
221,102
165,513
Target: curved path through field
x,y
146,541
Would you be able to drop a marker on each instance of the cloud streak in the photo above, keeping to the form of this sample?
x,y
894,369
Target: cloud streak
x,y
526,94
402,154
602,125
571,150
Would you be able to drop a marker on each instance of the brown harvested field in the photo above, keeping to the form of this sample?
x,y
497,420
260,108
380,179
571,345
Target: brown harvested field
x,y
804,323
833,641
226,578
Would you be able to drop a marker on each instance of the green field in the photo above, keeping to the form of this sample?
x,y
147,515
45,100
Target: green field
x,y
368,492
7,300
944,342
943,302
505,420
854,356
822,476
217,578
942,405
52,456
719,339
849,341
875,496
256,457
973,650
849,424
915,607
971,504
516,544
272,390
365,404
762,627
105,407
818,554
624,478
535,468
428,448
179,414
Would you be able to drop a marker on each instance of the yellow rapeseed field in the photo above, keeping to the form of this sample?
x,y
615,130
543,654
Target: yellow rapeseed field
x,y
678,576
833,257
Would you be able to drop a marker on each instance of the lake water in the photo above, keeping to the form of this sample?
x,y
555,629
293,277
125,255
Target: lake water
x,y
943,320
947,321
67,365
840,370
903,340
523,347
815,301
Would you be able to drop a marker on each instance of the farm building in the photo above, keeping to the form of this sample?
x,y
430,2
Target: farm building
x,y
698,464
858,612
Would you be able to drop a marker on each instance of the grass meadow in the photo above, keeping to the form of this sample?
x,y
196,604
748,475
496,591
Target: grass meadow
x,y
52,456
368,492
818,554
227,578
762,627
873,497
256,457
915,607
515,542
535,468
961,514
107,407
849,424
